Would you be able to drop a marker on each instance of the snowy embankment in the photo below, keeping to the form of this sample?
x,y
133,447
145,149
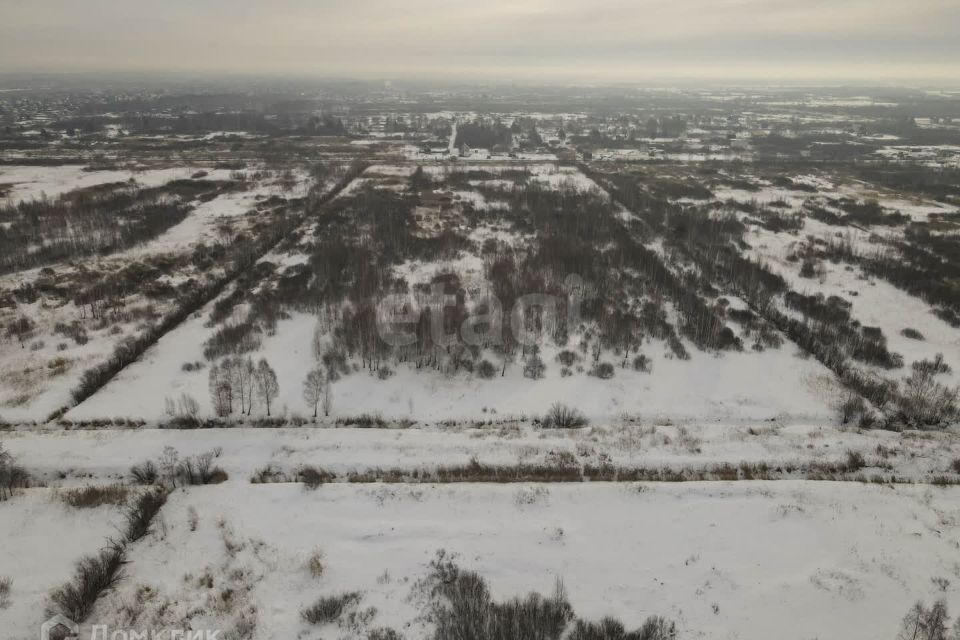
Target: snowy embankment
x,y
67,458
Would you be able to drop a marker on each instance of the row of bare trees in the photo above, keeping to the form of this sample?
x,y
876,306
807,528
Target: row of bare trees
x,y
237,384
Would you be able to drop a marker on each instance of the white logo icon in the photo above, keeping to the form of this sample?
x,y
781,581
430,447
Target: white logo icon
x,y
59,628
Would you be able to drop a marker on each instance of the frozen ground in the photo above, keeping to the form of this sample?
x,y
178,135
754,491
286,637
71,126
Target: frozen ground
x,y
724,560
42,538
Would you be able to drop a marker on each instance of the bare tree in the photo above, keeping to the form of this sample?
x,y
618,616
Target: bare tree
x,y
921,623
241,375
11,476
266,380
313,390
221,391
21,329
327,399
187,406
169,407
925,400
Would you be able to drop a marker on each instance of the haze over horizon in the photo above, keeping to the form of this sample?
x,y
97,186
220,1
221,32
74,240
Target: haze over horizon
x,y
561,40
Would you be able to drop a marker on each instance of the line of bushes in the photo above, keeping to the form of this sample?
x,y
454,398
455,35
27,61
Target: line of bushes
x,y
98,573
850,468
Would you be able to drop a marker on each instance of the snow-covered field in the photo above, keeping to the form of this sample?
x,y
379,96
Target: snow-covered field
x,y
782,558
771,519
748,560
736,387
722,559
42,539
32,183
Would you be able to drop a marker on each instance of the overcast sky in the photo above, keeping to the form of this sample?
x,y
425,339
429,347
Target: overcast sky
x,y
554,40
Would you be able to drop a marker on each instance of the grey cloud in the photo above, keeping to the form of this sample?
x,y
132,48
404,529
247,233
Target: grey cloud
x,y
612,39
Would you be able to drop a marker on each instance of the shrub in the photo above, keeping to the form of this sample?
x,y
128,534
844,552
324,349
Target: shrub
x,y
642,363
141,513
603,370
364,421
12,477
534,368
560,416
470,614
58,366
462,608
926,402
267,475
94,496
486,370
217,475
232,339
855,461
74,331
384,372
329,608
6,586
655,628
93,576
474,471
934,367
21,328
851,408
315,564
145,473
955,465
568,358
913,334
312,477
199,470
